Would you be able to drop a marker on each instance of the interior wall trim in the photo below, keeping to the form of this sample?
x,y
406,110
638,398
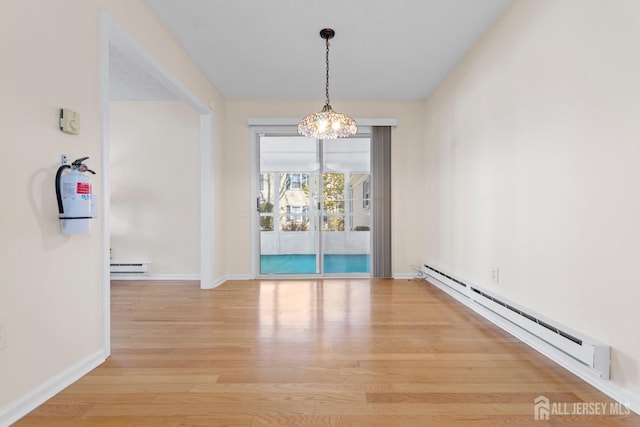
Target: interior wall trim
x,y
45,391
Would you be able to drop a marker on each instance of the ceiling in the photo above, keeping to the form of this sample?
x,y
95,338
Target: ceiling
x,y
129,82
383,49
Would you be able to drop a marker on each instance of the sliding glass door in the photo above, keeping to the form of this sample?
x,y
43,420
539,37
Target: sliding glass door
x,y
314,206
287,200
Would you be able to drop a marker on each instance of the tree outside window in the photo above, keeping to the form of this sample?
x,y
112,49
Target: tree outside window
x,y
333,200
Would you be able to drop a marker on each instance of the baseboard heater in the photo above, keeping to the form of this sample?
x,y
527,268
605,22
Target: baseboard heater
x,y
130,269
585,350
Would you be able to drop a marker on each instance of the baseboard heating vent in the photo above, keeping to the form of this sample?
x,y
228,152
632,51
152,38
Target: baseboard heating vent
x,y
444,277
529,317
130,269
585,350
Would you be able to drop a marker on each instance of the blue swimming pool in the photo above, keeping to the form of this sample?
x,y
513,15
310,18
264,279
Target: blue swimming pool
x,y
306,264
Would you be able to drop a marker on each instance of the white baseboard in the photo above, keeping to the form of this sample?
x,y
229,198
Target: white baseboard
x,y
237,277
404,276
611,389
218,282
158,277
167,277
21,407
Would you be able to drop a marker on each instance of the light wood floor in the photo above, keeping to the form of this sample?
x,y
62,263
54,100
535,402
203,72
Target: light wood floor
x,y
312,353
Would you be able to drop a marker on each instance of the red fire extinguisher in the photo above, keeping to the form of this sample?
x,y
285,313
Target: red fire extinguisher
x,y
73,191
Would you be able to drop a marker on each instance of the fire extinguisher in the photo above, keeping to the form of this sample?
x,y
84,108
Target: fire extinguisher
x,y
73,191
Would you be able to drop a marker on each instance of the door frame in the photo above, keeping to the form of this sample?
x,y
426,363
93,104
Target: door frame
x,y
112,33
286,127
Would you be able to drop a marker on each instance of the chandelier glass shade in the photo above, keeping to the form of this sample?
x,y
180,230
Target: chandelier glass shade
x,y
327,124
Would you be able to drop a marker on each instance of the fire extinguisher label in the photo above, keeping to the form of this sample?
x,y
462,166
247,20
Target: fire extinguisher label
x,y
83,188
68,190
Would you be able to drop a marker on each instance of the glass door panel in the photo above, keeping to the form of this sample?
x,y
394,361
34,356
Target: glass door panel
x,y
286,198
345,233
313,203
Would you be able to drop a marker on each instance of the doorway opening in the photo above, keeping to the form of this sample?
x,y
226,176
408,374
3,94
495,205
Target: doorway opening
x,y
113,36
314,205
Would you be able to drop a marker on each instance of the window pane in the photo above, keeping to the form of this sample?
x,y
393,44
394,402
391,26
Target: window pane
x,y
333,223
360,223
267,191
266,222
267,194
359,190
296,183
333,192
293,223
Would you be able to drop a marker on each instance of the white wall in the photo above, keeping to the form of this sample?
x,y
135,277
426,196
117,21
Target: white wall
x,y
407,172
531,166
50,284
155,186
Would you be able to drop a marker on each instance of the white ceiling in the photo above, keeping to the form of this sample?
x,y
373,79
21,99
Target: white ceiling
x,y
383,49
129,82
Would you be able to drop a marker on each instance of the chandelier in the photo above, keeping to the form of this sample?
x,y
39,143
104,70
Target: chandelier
x,y
327,124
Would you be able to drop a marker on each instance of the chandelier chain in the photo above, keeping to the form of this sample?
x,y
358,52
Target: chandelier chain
x,y
327,124
327,86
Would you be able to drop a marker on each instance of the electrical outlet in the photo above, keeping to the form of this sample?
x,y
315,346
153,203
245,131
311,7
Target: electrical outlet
x,y
495,275
3,333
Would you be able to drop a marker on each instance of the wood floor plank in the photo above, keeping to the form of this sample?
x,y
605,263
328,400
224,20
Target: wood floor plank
x,y
312,353
316,388
150,378
253,398
456,397
204,408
